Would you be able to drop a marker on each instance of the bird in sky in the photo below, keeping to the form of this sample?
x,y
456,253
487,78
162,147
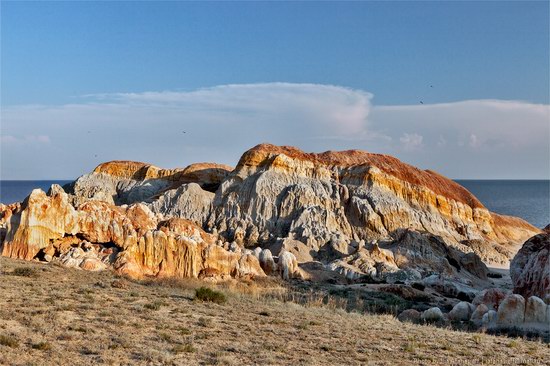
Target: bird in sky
x,y
421,102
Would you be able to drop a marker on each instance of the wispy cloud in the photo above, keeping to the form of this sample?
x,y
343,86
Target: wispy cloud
x,y
473,138
411,141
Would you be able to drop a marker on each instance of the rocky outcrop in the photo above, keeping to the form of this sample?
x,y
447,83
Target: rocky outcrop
x,y
530,268
282,192
126,182
351,212
130,239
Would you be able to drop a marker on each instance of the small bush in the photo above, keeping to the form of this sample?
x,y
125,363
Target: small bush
x,y
25,272
209,295
188,348
153,305
204,322
42,346
8,341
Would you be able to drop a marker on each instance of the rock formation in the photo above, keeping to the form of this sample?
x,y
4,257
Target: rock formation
x,y
279,192
131,239
359,214
530,268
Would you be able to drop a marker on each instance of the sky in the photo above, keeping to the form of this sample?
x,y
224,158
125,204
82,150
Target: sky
x,y
457,87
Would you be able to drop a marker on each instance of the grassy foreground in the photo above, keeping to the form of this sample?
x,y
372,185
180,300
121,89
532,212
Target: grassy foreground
x,y
51,315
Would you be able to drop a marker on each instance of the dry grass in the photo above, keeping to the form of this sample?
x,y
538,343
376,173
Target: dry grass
x,y
71,317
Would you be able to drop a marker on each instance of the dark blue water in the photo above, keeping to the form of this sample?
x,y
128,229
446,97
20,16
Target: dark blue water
x,y
17,190
528,199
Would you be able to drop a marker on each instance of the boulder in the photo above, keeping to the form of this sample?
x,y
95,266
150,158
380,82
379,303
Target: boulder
x,y
489,318
266,262
461,311
287,265
92,264
491,298
432,315
530,268
479,312
535,311
249,265
511,311
409,316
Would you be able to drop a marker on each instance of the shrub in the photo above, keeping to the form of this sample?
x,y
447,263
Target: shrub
x,y
25,272
209,295
188,347
42,346
8,341
153,305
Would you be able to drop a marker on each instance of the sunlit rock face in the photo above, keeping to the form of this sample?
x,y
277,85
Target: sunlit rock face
x,y
278,192
130,239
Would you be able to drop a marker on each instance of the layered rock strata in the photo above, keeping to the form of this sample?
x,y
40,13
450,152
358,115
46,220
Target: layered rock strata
x,y
356,213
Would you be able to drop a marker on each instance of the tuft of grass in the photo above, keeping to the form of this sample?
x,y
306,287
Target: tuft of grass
x,y
208,295
513,344
42,346
411,345
8,341
204,322
165,337
25,272
187,348
154,305
477,339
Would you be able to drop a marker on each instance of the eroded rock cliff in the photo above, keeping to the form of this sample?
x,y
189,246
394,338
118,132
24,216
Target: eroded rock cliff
x,y
356,213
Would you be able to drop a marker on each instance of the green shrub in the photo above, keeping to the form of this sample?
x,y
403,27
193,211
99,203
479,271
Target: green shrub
x,y
209,295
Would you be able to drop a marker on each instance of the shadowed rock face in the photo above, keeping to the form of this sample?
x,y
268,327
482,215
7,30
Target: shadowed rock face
x,y
324,207
530,268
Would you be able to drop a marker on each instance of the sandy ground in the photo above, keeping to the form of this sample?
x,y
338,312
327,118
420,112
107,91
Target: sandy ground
x,y
51,315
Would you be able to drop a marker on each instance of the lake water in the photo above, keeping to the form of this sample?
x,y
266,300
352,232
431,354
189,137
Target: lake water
x,y
17,190
528,199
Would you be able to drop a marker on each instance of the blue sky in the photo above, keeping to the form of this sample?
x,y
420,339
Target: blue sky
x,y
55,50
366,56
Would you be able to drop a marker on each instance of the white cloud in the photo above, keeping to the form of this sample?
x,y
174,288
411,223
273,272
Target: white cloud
x,y
177,128
479,138
25,140
411,141
474,138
